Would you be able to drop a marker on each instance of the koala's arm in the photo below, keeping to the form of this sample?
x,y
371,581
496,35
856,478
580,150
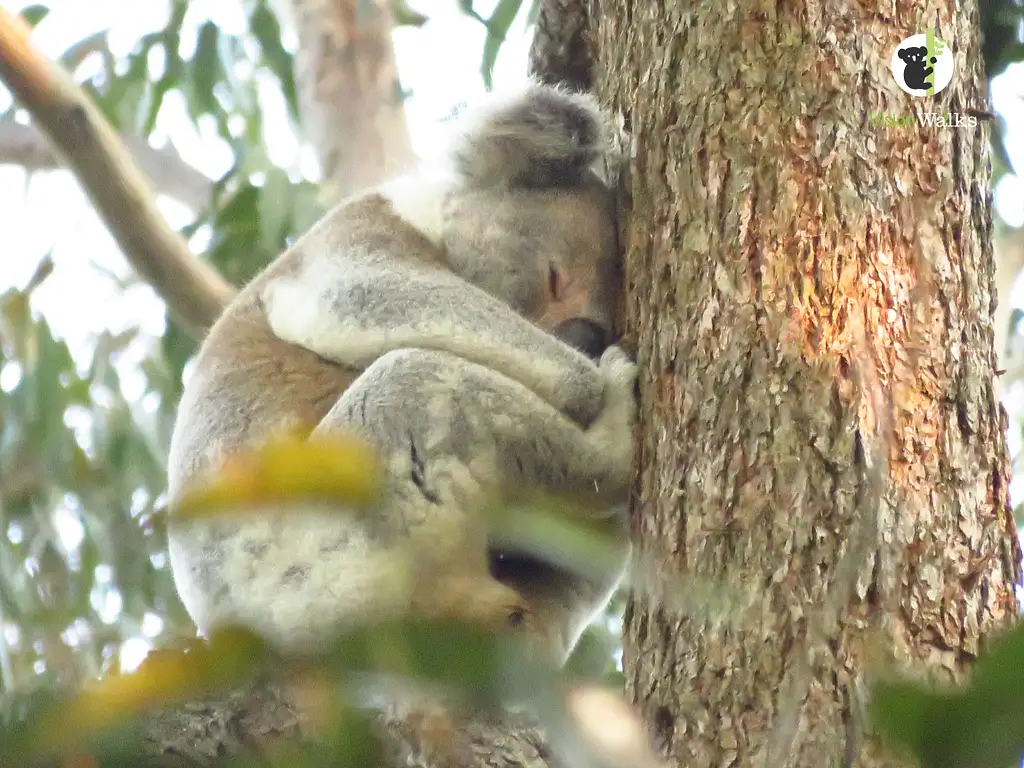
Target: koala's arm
x,y
438,420
354,313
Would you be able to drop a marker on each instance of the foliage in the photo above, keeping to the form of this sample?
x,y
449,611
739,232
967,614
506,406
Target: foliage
x,y
497,26
75,452
1001,22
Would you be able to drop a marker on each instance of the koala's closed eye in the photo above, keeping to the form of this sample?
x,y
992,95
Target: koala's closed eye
x,y
554,283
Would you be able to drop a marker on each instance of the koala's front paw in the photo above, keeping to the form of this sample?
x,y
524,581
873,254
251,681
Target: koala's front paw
x,y
611,434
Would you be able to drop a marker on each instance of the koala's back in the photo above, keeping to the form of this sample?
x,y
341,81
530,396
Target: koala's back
x,y
246,382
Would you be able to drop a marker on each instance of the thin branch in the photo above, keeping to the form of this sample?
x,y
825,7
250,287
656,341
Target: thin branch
x,y
194,292
1008,252
25,145
560,52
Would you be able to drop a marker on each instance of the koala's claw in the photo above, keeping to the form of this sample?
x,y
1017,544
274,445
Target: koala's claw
x,y
618,370
612,431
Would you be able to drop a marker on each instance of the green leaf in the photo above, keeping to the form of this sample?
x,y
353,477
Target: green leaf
x,y
404,16
355,743
120,101
275,209
976,727
265,27
307,207
466,6
205,70
77,52
33,14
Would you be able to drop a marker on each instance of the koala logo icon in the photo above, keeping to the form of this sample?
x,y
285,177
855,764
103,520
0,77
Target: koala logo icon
x,y
922,64
916,73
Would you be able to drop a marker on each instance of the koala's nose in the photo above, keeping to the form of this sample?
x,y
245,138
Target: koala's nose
x,y
587,336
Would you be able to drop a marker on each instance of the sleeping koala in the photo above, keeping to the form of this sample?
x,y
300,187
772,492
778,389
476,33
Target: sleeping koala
x,y
420,316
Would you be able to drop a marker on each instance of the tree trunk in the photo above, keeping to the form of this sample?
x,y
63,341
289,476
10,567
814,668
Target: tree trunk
x,y
821,438
352,107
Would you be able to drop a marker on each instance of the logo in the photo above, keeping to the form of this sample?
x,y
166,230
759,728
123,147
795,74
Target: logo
x,y
922,64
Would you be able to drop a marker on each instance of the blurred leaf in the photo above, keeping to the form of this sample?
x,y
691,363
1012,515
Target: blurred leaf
x,y
68,724
170,39
404,16
466,6
1000,26
33,14
976,727
555,529
205,72
338,471
267,30
43,270
76,53
275,209
120,101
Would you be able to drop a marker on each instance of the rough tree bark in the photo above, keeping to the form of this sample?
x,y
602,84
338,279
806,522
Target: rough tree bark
x,y
812,300
560,52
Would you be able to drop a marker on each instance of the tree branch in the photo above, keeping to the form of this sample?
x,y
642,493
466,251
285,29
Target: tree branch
x,y
560,52
25,145
194,292
254,720
604,731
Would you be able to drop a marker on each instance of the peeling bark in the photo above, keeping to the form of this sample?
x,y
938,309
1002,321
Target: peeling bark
x,y
812,301
261,719
350,95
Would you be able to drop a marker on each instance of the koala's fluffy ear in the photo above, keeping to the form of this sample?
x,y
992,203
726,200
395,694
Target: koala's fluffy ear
x,y
542,136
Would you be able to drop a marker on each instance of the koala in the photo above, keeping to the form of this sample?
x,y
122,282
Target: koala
x,y
917,71
424,316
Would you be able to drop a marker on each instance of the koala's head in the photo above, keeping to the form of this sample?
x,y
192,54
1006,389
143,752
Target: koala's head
x,y
913,54
530,220
552,254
